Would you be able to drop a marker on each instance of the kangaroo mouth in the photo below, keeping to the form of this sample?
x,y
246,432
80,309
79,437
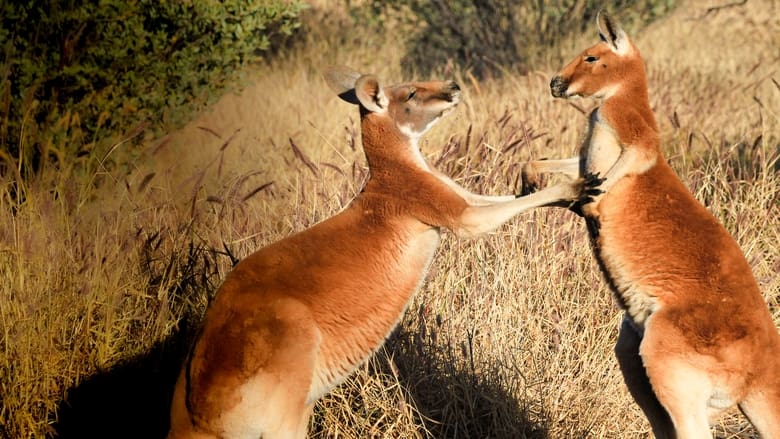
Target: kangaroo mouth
x,y
449,102
449,109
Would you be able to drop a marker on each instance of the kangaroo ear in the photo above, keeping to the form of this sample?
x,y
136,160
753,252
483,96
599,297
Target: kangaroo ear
x,y
611,33
342,80
369,93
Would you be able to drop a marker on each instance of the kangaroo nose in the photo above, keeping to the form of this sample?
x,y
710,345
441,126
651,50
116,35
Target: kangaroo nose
x,y
558,86
453,94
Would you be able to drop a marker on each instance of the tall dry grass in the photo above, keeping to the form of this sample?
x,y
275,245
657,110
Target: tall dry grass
x,y
105,273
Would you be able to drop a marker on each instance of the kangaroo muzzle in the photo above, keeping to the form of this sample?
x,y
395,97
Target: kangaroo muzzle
x,y
558,87
453,92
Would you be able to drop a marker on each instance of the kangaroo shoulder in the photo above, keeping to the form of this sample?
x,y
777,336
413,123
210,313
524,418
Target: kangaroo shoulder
x,y
632,125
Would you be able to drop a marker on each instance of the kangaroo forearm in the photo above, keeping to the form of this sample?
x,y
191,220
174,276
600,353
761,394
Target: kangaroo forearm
x,y
470,197
477,220
569,166
633,160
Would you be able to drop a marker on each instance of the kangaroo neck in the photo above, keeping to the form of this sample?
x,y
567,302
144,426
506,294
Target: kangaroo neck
x,y
632,95
390,154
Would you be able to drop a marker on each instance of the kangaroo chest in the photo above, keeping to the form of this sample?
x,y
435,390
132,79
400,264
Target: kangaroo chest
x,y
601,147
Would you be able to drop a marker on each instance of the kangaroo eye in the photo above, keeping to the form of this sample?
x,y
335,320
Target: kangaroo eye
x,y
591,59
411,95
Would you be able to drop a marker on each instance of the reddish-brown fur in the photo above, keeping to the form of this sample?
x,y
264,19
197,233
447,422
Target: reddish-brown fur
x,y
295,318
698,336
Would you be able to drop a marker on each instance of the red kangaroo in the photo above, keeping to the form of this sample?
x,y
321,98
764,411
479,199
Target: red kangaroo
x,y
697,337
295,318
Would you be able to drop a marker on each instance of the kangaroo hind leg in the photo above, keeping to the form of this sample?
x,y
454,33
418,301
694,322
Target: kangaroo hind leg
x,y
678,381
635,377
267,358
762,408
287,411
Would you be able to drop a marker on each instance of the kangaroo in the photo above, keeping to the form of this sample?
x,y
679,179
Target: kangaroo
x,y
294,319
697,337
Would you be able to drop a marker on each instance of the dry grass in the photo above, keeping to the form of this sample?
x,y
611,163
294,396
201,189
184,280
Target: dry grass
x,y
103,274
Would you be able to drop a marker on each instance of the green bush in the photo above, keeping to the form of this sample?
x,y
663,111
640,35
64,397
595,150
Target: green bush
x,y
93,68
487,36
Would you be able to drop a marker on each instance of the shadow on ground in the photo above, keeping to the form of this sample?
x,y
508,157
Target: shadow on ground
x,y
454,400
130,400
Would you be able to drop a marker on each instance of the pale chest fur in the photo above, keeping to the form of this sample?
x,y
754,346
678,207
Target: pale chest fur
x,y
601,147
403,267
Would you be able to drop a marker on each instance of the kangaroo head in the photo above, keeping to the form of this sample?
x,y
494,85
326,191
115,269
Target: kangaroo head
x,y
413,107
603,69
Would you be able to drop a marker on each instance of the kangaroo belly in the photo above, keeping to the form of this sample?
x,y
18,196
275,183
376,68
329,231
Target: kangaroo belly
x,y
627,284
624,240
659,247
356,328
